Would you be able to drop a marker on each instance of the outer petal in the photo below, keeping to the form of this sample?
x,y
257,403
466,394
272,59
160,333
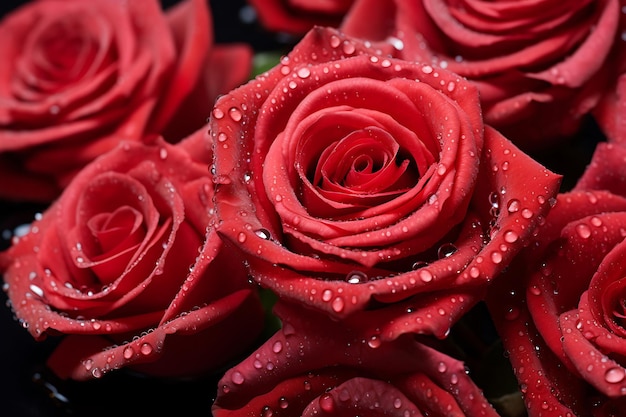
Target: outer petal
x,y
318,366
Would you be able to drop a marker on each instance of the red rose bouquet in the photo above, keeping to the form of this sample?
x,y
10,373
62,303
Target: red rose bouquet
x,y
384,217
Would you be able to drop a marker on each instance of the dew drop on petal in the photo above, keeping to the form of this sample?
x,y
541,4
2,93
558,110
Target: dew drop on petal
x,y
263,234
373,342
446,250
146,349
496,257
237,378
425,275
338,304
513,205
235,114
327,403
614,375
583,231
218,113
128,352
356,277
510,236
303,72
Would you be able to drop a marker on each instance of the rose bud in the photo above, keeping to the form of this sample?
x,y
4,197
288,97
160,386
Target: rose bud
x,y
127,267
540,66
314,366
359,183
79,76
560,309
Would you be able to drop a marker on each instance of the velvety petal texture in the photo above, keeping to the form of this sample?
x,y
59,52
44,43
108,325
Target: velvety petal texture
x,y
79,76
540,65
296,17
316,366
560,307
353,180
127,266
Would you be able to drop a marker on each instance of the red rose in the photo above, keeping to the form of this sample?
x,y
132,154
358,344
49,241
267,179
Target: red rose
x,y
127,265
298,16
540,66
78,76
354,181
560,308
316,366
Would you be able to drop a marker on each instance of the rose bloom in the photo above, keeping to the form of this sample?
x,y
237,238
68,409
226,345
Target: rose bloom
x,y
78,76
316,366
126,266
298,16
540,66
354,181
560,307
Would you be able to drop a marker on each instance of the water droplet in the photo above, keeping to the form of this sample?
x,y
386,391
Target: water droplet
x,y
427,69
277,347
513,205
338,304
235,114
218,113
397,403
327,403
237,378
241,237
419,264
335,41
527,213
36,290
303,72
446,250
510,236
348,47
614,375
128,352
163,153
425,275
283,403
496,257
374,342
511,314
356,277
583,231
146,349
263,234
442,367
